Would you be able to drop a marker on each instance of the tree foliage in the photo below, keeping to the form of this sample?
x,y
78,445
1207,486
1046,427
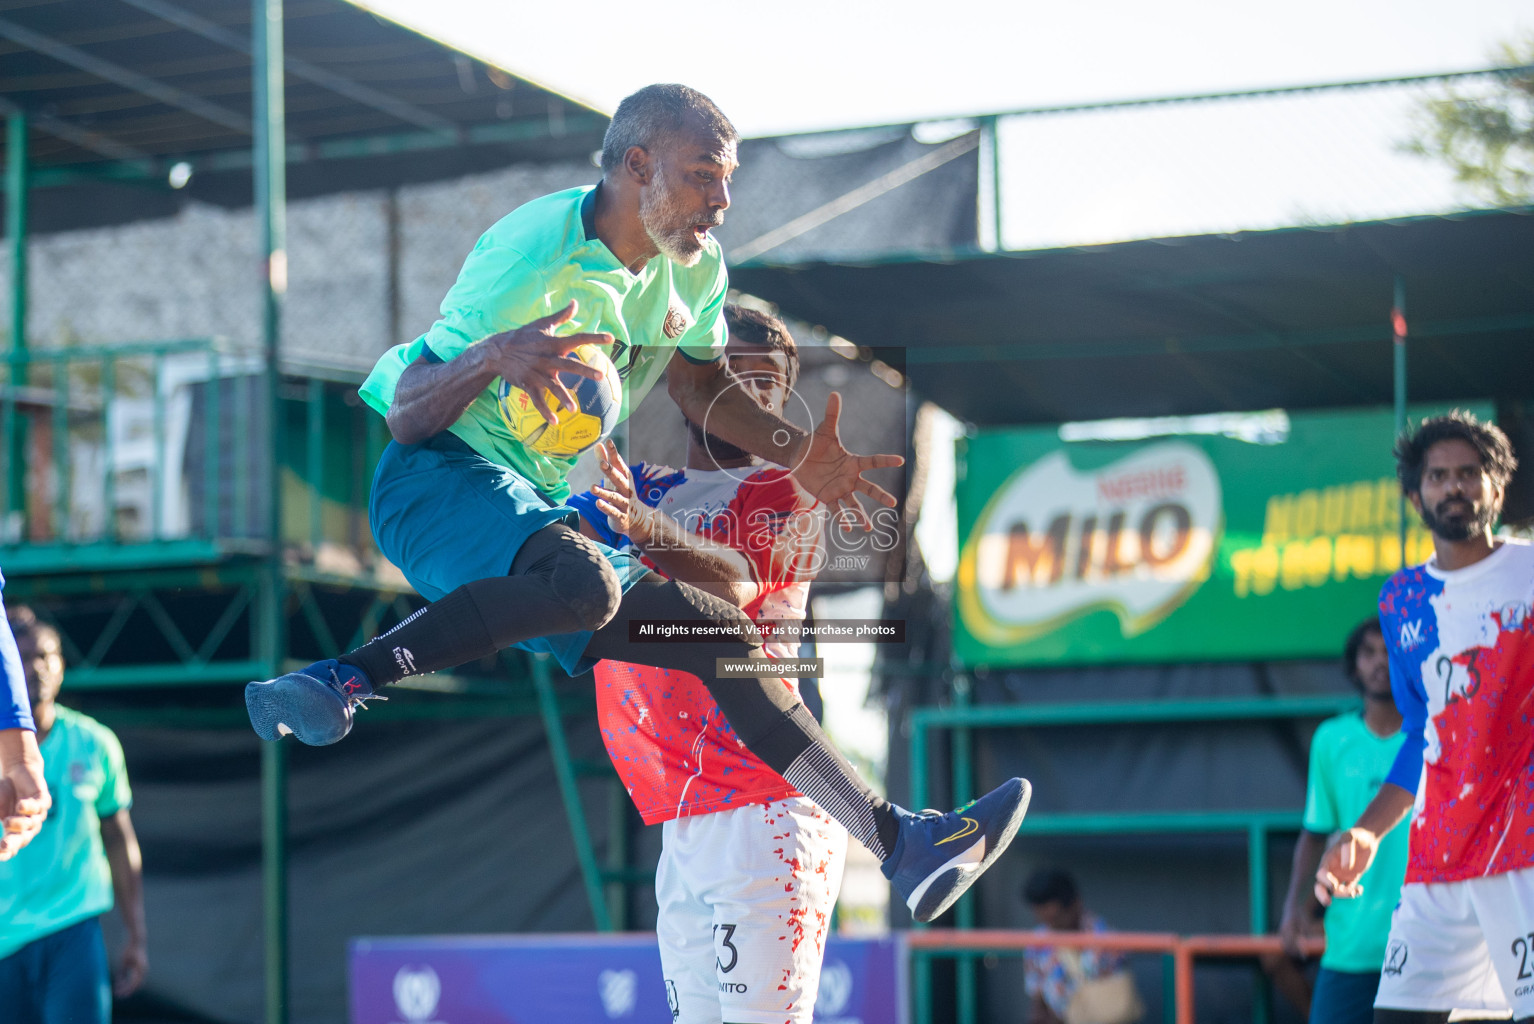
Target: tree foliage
x,y
1487,136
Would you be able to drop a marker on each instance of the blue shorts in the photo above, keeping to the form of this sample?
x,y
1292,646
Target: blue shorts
x,y
61,978
446,516
1343,997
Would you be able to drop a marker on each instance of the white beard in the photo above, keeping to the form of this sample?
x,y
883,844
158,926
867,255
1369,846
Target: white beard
x,y
660,208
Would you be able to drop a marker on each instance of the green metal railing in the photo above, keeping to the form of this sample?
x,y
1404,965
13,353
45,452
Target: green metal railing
x,y
64,409
1258,825
177,432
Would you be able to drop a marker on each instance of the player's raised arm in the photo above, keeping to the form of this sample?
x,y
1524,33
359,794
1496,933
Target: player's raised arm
x,y
707,395
712,567
430,396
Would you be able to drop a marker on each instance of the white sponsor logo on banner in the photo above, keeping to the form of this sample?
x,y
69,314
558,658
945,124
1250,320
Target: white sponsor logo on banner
x,y
619,991
1136,536
835,989
416,993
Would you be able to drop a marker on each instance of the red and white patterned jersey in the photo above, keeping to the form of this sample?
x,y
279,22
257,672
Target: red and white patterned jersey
x,y
1461,649
674,751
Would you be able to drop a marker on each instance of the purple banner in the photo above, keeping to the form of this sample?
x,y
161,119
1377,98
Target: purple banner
x,y
579,979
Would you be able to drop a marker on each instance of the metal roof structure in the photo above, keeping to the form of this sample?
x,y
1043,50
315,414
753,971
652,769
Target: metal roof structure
x,y
121,91
1291,318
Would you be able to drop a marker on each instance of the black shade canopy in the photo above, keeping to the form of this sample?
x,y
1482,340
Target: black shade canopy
x,y
122,90
1293,318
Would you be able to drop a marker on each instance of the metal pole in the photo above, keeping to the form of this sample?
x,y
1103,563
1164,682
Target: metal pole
x,y
618,855
271,208
1398,331
564,774
921,985
964,913
16,185
315,458
1257,882
274,877
921,964
993,135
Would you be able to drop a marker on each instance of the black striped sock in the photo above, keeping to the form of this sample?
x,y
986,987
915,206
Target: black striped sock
x,y
816,774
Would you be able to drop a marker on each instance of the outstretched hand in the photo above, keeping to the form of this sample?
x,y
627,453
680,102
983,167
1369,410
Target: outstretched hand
x,y
532,357
627,516
834,475
24,799
1344,863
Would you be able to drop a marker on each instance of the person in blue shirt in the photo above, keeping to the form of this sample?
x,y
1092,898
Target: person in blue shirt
x,y
24,798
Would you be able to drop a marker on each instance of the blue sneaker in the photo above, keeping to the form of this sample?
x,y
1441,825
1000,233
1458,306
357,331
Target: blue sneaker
x,y
938,856
314,704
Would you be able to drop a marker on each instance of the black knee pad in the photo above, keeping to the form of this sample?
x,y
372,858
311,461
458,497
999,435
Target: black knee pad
x,y
687,602
583,582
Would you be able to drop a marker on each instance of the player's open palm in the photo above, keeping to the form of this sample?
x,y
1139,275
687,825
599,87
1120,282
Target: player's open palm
x,y
533,356
617,499
834,475
1344,863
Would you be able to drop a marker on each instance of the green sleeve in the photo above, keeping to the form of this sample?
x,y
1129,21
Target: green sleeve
x,y
115,794
497,290
1320,801
378,390
704,342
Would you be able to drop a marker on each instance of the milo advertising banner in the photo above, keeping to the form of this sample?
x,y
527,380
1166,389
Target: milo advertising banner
x,y
1191,547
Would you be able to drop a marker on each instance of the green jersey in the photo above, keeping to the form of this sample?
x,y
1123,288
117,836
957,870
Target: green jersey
x,y
531,264
62,877
1348,764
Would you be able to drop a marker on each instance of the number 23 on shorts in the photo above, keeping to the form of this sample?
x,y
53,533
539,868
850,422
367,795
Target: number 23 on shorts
x,y
726,966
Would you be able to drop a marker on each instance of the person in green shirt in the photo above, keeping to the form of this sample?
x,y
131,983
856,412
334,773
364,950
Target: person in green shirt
x,y
53,962
1350,756
479,525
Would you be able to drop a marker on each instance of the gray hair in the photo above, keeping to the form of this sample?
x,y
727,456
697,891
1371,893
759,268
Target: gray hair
x,y
657,112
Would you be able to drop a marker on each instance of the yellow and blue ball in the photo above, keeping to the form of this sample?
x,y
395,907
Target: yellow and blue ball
x,y
593,419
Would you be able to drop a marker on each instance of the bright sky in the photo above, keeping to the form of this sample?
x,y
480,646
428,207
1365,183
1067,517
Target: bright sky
x,y
798,65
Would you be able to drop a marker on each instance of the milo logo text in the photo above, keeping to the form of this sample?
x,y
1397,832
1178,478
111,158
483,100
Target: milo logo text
x,y
1136,537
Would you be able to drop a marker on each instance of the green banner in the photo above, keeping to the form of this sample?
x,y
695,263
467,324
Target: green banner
x,y
1194,547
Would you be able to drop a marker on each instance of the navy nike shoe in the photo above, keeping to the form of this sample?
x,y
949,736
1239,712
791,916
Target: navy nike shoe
x,y
937,856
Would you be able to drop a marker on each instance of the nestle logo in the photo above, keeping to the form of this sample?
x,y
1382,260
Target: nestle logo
x,y
1160,482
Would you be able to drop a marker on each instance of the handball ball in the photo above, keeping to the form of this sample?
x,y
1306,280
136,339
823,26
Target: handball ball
x,y
593,420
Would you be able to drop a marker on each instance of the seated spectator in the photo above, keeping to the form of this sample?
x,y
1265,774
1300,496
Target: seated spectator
x,y
1073,986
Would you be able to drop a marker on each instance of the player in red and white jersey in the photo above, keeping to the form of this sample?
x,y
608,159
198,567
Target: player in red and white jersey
x,y
1460,636
676,754
749,868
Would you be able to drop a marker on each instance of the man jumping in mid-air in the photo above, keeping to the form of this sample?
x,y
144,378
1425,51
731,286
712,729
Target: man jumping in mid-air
x,y
1460,635
477,521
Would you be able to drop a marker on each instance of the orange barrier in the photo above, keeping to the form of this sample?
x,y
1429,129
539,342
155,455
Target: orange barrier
x,y
1183,949
1193,946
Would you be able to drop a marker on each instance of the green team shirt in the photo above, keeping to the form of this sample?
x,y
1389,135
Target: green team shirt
x,y
62,877
532,263
1348,764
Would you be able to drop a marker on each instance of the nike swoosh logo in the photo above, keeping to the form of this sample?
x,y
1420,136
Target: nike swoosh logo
x,y
970,825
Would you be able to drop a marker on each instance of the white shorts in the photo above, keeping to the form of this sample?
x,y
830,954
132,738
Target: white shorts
x,y
1465,945
745,904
